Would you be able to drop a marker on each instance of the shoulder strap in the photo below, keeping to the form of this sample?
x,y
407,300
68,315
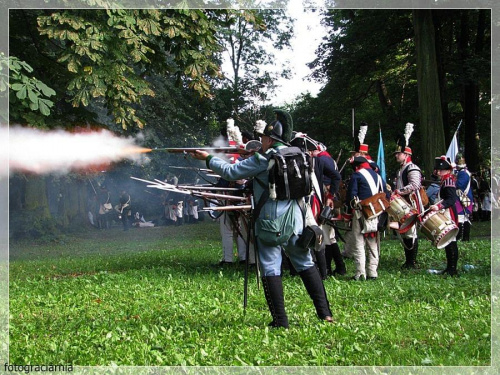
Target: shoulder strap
x,y
368,177
466,191
263,198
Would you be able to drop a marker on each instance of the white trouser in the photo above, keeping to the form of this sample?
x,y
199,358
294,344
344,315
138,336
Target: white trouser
x,y
411,233
358,242
242,244
227,232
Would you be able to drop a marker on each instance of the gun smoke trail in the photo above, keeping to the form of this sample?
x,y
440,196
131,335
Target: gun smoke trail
x,y
57,151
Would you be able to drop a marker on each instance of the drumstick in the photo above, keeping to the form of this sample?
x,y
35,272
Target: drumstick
x,y
425,211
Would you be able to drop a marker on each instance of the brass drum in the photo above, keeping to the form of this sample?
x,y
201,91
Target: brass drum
x,y
403,213
439,229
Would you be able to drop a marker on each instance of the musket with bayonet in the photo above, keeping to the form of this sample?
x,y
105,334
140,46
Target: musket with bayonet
x,y
189,168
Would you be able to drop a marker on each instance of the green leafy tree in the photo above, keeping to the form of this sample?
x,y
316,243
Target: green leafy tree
x,y
373,69
30,101
367,68
100,65
247,39
104,56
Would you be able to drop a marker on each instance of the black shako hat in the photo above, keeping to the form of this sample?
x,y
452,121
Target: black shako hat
x,y
280,129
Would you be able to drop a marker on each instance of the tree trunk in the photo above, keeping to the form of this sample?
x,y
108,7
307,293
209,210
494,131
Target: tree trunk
x,y
431,119
443,40
70,201
471,92
35,198
386,103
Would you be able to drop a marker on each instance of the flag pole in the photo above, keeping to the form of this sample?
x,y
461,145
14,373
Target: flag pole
x,y
458,134
352,122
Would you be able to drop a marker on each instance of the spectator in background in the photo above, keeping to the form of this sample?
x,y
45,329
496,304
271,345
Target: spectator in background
x,y
476,210
124,210
485,197
433,189
193,211
495,191
179,210
105,207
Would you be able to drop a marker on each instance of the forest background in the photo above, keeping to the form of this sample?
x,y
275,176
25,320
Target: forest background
x,y
158,72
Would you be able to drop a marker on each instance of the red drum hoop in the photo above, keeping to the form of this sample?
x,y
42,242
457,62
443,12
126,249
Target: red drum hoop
x,y
439,229
401,211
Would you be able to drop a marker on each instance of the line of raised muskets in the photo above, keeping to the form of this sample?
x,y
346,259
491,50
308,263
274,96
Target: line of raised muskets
x,y
206,192
202,191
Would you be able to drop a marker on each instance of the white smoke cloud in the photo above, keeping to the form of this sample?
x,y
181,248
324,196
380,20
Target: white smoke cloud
x,y
58,151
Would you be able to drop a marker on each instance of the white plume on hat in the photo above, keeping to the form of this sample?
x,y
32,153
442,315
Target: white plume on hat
x,y
362,133
259,127
233,132
408,132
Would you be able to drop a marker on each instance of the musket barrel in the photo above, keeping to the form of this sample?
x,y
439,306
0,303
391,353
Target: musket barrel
x,y
228,208
227,150
215,188
221,196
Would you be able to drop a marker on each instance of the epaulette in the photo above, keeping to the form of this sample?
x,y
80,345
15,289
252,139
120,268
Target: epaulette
x,y
448,182
412,167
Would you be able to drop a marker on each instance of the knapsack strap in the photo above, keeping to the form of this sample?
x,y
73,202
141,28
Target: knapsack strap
x,y
263,198
285,173
375,188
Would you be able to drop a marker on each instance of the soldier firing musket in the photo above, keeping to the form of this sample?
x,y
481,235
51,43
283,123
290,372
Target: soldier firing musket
x,y
277,218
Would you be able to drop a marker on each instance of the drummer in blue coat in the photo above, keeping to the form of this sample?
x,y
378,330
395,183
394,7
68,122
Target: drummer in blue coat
x,y
274,137
447,201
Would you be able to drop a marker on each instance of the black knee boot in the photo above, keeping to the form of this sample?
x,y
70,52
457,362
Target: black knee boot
x,y
410,248
451,259
314,286
453,254
273,290
321,263
414,254
466,232
338,259
460,233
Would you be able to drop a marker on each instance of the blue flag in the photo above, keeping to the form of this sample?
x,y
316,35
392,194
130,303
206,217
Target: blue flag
x,y
381,158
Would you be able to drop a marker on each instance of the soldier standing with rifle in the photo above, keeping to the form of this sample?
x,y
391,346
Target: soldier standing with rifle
x,y
364,183
274,137
328,178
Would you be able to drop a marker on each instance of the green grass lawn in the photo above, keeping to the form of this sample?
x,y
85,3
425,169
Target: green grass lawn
x,y
153,296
